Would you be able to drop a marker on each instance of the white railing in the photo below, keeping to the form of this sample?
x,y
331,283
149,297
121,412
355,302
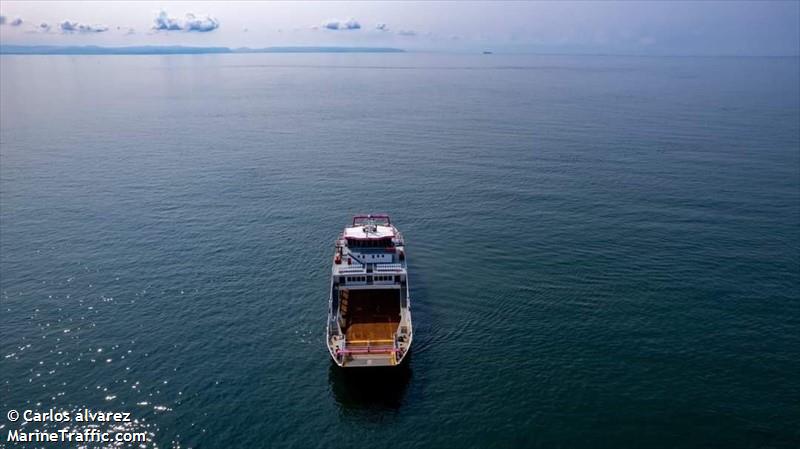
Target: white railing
x,y
388,267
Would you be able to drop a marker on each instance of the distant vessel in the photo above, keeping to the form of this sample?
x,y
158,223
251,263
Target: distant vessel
x,y
487,52
369,309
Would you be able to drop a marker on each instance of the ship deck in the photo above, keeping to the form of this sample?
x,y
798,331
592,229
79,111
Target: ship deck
x,y
372,316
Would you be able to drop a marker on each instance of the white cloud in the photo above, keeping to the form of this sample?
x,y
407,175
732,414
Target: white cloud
x,y
16,22
336,24
165,23
92,28
68,26
75,27
192,22
381,27
202,24
44,27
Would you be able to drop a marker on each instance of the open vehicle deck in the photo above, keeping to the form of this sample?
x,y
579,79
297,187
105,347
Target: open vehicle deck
x,y
371,316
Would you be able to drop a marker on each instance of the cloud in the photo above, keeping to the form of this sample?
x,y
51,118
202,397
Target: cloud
x,y
75,27
202,24
406,33
164,22
335,24
16,22
381,27
68,26
92,28
44,26
192,22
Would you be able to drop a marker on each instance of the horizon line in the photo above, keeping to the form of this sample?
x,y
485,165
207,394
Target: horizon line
x,y
77,50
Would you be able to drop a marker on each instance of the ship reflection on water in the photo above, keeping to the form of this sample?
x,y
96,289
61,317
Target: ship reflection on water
x,y
382,388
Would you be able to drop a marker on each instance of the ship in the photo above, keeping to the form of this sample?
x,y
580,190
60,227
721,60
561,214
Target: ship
x,y
369,308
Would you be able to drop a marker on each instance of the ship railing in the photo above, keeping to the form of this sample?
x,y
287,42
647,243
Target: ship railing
x,y
381,219
388,267
381,348
368,350
333,326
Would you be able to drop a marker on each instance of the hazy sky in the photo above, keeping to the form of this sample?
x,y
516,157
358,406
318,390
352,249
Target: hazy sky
x,y
681,27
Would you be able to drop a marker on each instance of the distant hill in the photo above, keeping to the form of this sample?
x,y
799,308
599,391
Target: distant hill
x,y
94,50
176,50
318,50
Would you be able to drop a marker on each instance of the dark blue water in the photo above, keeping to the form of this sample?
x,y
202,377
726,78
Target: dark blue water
x,y
605,251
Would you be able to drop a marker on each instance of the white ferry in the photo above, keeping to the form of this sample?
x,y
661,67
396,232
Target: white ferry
x,y
369,310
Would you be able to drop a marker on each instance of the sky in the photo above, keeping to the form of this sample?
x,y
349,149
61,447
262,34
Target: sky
x,y
760,28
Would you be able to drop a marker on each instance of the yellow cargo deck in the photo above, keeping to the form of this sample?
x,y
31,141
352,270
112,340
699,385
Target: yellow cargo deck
x,y
371,316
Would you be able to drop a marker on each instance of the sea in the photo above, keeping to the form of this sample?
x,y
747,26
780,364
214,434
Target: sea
x,y
604,251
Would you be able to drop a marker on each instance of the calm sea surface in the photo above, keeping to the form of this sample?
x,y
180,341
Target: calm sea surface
x,y
605,251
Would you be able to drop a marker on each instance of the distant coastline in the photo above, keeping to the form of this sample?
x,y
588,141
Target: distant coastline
x,y
177,50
